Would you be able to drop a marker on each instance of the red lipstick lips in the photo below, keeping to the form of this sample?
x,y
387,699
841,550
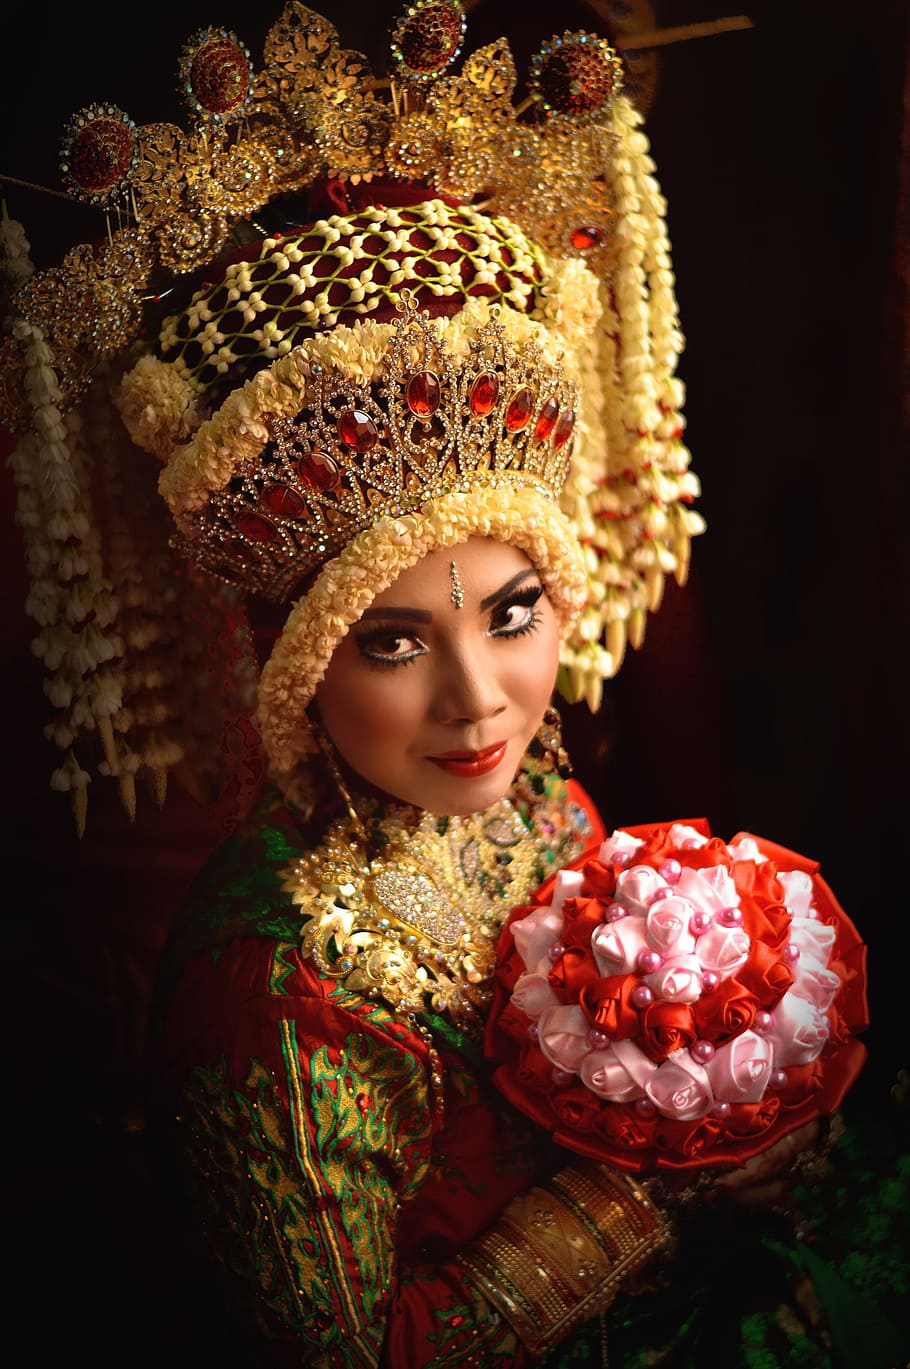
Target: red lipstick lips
x,y
469,764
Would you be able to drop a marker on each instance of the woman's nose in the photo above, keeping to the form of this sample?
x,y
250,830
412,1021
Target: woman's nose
x,y
468,688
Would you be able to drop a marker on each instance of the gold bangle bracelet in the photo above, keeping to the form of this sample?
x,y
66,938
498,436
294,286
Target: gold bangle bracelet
x,y
558,1255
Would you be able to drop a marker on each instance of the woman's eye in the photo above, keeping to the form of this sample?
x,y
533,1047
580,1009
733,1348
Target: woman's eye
x,y
518,615
389,648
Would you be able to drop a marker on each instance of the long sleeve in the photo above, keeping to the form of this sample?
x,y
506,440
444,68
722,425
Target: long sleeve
x,y
333,1180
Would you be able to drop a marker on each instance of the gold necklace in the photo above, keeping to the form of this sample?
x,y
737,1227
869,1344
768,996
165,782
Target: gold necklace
x,y
416,926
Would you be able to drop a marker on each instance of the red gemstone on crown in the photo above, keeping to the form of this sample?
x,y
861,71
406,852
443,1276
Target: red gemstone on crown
x,y
283,500
577,76
585,237
357,430
564,429
256,528
484,394
546,419
423,394
318,471
98,152
429,39
219,77
518,413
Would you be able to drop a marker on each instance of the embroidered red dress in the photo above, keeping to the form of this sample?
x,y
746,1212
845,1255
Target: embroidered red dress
x,y
340,1135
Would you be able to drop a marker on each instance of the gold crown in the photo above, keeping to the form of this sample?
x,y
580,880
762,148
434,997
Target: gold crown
x,y
315,112
430,423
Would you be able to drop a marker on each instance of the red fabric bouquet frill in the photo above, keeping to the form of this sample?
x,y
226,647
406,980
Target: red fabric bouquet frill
x,y
678,1001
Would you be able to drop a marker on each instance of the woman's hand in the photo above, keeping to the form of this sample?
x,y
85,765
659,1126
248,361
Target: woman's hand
x,y
767,1177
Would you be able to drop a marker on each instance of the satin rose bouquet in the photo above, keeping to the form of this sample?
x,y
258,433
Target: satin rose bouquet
x,y
679,1000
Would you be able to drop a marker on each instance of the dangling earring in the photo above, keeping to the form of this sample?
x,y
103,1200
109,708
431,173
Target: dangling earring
x,y
547,748
331,760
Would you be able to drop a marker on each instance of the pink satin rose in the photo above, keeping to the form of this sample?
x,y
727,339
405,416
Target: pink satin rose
x,y
616,945
618,1075
563,1036
740,1069
682,835
747,849
567,884
636,887
724,949
797,891
532,993
679,981
681,1089
711,889
620,847
667,926
800,1031
815,939
535,934
815,982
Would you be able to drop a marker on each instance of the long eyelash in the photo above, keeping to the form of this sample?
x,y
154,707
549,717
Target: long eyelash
x,y
530,626
389,662
527,597
523,598
379,634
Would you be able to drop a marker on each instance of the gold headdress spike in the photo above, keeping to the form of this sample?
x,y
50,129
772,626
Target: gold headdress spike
x,y
547,207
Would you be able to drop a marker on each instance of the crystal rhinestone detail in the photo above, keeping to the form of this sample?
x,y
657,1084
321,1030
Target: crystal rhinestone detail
x,y
427,38
578,73
518,413
546,420
98,153
357,431
484,394
216,73
423,394
412,897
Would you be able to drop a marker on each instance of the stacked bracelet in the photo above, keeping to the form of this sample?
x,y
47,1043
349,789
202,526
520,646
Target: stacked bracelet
x,y
558,1255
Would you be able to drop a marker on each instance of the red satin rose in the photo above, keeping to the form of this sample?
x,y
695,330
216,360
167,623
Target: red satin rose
x,y
625,1128
575,1106
666,1027
572,973
726,1012
600,879
754,1119
692,1140
767,922
608,1005
580,917
765,975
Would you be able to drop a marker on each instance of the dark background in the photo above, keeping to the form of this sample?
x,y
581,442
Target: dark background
x,y
771,695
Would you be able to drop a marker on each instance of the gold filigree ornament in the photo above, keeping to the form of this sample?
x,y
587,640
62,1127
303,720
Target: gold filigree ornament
x,y
416,927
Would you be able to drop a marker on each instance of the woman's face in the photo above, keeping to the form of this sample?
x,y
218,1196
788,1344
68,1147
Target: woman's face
x,y
433,702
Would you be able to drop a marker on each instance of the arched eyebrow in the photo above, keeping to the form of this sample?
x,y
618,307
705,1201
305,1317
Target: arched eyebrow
x,y
421,615
498,595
